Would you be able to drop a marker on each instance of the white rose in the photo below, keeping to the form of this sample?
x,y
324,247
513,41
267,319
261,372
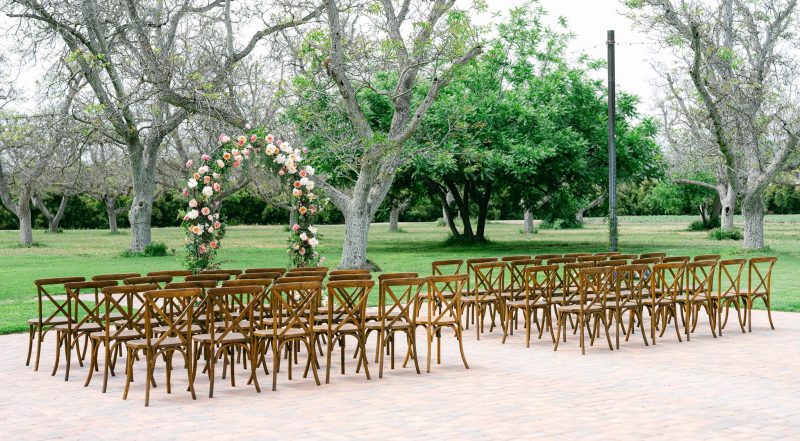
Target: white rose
x,y
203,170
303,236
192,214
215,175
280,159
191,183
208,191
310,185
220,163
304,181
312,229
313,242
309,170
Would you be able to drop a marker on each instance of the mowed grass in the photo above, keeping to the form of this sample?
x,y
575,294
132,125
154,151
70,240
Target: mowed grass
x,y
90,252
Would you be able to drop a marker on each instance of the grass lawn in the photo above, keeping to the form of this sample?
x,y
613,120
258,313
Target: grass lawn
x,y
89,252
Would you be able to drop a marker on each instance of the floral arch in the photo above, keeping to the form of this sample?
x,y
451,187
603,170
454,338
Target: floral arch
x,y
202,224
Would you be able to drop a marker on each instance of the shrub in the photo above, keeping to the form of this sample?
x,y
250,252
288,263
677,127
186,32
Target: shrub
x,y
155,249
720,234
708,224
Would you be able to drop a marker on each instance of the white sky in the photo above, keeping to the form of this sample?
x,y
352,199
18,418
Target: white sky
x,y
588,19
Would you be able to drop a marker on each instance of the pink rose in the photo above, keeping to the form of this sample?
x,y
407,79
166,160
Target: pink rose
x,y
302,251
305,150
189,163
270,138
281,172
206,157
193,203
236,163
206,179
253,137
297,184
295,227
205,211
223,138
214,244
217,225
202,248
185,192
217,187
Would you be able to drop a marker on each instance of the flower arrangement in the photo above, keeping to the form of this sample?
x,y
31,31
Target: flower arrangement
x,y
201,222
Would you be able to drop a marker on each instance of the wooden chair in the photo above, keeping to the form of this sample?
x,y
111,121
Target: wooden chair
x,y
759,286
729,292
127,301
396,300
515,288
292,278
513,258
699,285
566,290
231,325
632,283
646,261
666,284
373,313
487,295
346,310
293,306
202,284
446,267
471,270
265,270
607,253
52,312
320,269
651,255
247,282
83,318
612,262
177,337
230,272
443,304
538,284
624,256
545,257
595,286
562,260
218,277
173,273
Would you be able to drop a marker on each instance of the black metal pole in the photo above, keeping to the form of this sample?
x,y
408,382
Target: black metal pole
x,y
612,146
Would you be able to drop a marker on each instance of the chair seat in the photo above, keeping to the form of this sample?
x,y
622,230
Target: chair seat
x,y
400,324
53,322
683,298
84,327
443,321
730,295
165,328
233,337
169,342
283,332
540,303
577,308
344,328
125,334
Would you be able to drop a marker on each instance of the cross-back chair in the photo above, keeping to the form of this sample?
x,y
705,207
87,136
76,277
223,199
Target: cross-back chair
x,y
346,309
538,285
666,284
52,311
442,304
487,295
729,290
631,288
759,286
396,300
595,286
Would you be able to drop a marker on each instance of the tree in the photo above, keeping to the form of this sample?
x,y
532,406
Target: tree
x,y
148,70
109,180
404,52
742,81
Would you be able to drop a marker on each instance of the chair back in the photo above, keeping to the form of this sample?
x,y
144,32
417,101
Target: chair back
x,y
563,260
347,303
595,258
290,277
624,256
444,298
632,282
513,258
445,267
128,302
540,281
651,255
173,273
80,312
667,280
319,269
646,261
158,280
177,317
729,277
349,271
47,299
262,275
337,277
569,280
700,279
293,306
396,300
218,277
247,282
227,307
596,284
230,272
489,280
516,276
707,257
675,259
265,270
202,284
545,257
117,276
607,253
576,255
759,275
612,262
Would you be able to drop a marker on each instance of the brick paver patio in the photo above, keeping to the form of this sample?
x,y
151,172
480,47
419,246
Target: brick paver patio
x,y
740,386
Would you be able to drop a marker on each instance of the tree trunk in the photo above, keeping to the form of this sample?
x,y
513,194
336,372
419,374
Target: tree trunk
x,y
56,220
25,222
753,212
141,211
483,210
582,212
528,221
111,212
293,215
716,210
728,201
448,217
394,217
356,231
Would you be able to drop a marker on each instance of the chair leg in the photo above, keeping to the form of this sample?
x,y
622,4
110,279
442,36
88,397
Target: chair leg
x,y
429,339
92,362
581,325
362,343
312,354
31,335
39,338
276,360
605,327
460,337
128,373
328,359
769,312
107,366
150,361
